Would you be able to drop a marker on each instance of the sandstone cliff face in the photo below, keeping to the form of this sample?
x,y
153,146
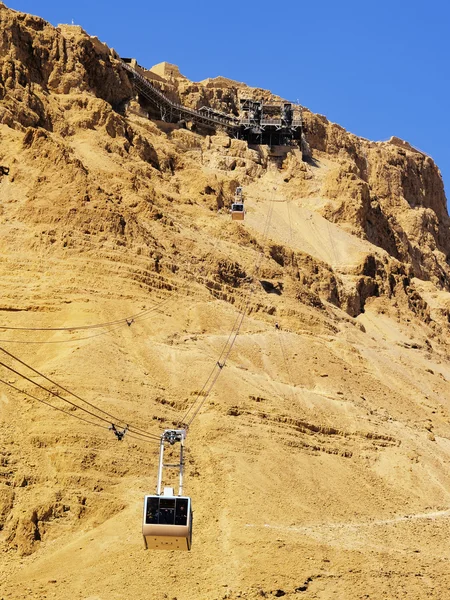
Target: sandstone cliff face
x,y
61,81
386,192
39,63
103,212
392,193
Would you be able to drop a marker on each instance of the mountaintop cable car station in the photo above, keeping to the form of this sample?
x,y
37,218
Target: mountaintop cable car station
x,y
276,124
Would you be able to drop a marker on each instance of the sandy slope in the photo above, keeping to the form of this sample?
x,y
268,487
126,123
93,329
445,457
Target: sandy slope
x,y
325,479
319,465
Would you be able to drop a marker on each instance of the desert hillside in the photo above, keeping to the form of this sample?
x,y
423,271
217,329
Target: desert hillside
x,y
318,466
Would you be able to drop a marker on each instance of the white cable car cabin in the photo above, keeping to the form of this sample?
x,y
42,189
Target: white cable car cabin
x,y
167,522
237,211
167,519
237,207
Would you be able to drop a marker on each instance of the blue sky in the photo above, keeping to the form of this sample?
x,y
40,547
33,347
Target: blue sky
x,y
377,68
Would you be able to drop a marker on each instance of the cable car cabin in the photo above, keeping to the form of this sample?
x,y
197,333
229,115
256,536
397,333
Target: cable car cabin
x,y
237,211
167,522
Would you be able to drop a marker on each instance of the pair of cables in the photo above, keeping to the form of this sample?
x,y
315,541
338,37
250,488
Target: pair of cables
x,y
113,422
95,415
88,412
210,382
109,327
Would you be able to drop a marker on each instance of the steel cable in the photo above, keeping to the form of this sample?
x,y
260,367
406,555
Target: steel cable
x,y
69,414
51,405
115,419
283,352
123,321
89,337
228,346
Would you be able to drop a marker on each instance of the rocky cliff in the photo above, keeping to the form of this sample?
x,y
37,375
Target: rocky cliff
x,y
337,422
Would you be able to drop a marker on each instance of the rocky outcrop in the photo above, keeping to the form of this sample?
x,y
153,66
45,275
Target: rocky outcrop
x,y
340,269
37,59
388,193
57,81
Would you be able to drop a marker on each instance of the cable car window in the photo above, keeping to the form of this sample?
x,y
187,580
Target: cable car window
x,y
167,511
181,512
152,511
237,207
167,503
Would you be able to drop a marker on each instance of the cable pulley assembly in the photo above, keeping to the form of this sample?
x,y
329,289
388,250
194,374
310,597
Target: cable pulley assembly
x,y
120,434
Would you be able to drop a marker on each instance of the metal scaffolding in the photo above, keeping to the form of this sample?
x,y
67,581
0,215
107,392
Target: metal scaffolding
x,y
277,124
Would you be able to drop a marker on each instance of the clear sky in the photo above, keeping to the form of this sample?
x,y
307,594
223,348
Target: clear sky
x,y
378,68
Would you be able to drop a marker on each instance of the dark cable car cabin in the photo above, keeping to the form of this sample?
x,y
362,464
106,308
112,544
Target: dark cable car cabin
x,y
237,211
167,522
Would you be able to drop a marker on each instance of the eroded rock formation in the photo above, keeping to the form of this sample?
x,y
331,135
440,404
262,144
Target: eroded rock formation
x,y
104,211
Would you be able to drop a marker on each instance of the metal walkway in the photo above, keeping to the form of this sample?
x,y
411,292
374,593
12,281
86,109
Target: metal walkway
x,y
173,112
